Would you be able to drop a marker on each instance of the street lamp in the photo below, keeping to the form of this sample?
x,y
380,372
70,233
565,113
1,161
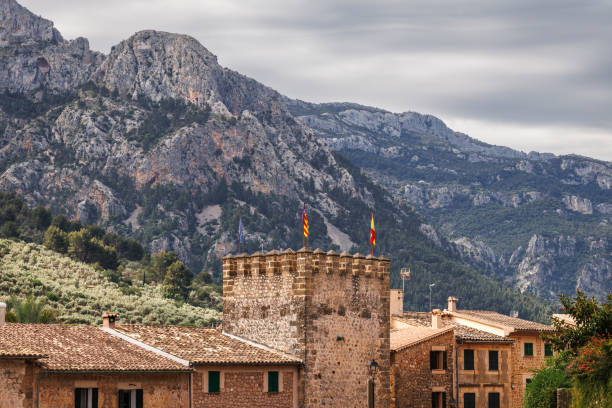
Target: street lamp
x,y
431,285
372,369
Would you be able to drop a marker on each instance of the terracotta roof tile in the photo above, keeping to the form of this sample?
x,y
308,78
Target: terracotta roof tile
x,y
462,333
513,322
200,345
407,337
80,348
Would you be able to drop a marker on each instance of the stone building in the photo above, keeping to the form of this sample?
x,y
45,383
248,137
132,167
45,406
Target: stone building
x,y
132,366
493,354
329,310
422,365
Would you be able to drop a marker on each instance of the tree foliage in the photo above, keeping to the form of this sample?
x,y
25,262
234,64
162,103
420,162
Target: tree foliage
x,y
177,280
30,310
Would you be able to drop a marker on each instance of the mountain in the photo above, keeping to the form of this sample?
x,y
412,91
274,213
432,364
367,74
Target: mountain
x,y
156,141
539,222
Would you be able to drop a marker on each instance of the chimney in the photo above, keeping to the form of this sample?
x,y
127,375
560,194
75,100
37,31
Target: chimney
x,y
436,319
108,320
2,313
396,301
452,304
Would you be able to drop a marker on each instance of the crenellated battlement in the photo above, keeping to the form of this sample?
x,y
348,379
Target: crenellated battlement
x,y
304,261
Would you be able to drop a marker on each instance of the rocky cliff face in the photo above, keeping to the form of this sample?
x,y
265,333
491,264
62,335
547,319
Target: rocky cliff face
x,y
34,58
490,201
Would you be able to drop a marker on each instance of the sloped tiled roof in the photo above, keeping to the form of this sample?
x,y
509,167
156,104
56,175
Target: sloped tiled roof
x,y
80,348
200,345
565,318
462,333
509,321
408,337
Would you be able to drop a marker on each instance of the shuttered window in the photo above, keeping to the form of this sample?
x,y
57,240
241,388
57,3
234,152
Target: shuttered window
x,y
528,349
548,352
86,398
468,359
272,381
494,400
438,400
437,360
469,400
130,398
493,360
214,381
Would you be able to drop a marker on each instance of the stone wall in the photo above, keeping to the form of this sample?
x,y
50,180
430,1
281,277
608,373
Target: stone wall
x,y
481,381
245,387
522,366
15,383
159,390
330,310
413,381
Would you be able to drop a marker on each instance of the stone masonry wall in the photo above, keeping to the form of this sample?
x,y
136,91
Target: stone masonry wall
x,y
159,390
15,384
412,379
523,366
245,387
330,310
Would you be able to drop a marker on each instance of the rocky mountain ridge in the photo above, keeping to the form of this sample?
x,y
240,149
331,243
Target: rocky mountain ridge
x,y
158,142
490,201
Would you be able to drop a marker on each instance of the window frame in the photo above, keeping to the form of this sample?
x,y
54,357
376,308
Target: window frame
x,y
211,380
472,395
465,360
548,350
438,360
496,354
88,390
528,345
496,404
273,382
438,399
136,396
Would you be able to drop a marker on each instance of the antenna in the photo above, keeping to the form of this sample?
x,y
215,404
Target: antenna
x,y
404,274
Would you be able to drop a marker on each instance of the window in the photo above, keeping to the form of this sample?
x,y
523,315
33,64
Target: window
x,y
214,381
548,350
468,359
437,360
86,398
272,381
469,400
438,400
493,360
528,349
130,398
528,381
494,400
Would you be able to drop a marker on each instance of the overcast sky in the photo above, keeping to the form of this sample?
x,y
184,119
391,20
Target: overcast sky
x,y
528,74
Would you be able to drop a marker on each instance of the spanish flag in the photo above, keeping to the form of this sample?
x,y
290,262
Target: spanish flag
x,y
305,221
372,232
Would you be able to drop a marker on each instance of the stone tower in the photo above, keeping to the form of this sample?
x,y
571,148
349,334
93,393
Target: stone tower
x,y
330,310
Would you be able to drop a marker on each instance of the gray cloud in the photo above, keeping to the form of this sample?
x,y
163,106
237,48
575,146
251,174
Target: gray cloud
x,y
530,67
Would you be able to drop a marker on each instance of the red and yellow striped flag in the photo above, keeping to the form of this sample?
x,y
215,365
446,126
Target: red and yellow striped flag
x,y
372,232
305,221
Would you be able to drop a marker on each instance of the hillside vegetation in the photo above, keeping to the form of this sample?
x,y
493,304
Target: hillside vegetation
x,y
80,293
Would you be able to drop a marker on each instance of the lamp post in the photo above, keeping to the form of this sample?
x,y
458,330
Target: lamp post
x,y
431,285
372,369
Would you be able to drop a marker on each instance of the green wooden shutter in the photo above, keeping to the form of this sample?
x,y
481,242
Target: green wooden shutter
x,y
77,398
434,403
444,399
214,381
444,363
272,381
529,349
124,399
548,350
432,360
494,400
493,361
138,398
94,398
469,400
468,359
